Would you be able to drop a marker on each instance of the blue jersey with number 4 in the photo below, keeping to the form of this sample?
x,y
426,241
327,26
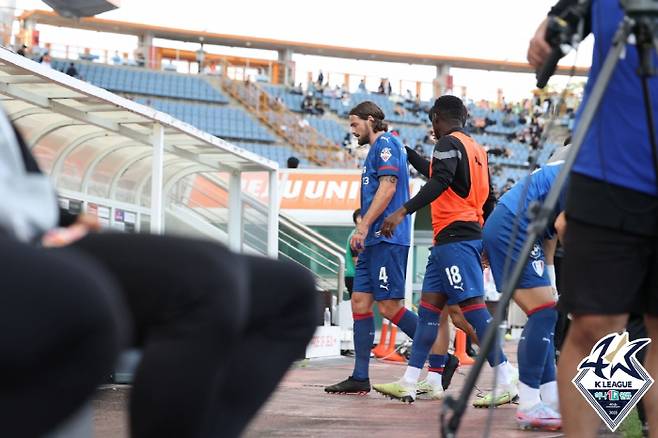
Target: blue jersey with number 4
x,y
387,157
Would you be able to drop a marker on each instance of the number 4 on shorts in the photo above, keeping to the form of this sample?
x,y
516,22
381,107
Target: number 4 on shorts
x,y
382,275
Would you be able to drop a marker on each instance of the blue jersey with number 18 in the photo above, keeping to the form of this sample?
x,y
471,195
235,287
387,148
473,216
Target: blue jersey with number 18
x,y
387,157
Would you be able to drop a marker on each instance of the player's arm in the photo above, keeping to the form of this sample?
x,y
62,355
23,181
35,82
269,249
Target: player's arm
x,y
388,168
383,196
561,226
418,162
549,247
445,159
490,203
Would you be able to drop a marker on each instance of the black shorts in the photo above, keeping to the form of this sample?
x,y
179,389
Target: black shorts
x,y
608,271
349,285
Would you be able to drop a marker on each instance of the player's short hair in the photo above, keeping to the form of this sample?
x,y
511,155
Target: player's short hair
x,y
368,108
449,108
356,214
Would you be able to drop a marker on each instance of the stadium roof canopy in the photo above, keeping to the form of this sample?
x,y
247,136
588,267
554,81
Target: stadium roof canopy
x,y
187,35
107,144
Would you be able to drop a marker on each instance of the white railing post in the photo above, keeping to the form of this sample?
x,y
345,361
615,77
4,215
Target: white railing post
x,y
157,214
235,211
273,216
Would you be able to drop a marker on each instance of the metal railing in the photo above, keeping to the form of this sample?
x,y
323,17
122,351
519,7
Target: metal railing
x,y
297,242
294,129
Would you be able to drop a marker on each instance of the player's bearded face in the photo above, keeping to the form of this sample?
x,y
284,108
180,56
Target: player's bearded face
x,y
360,130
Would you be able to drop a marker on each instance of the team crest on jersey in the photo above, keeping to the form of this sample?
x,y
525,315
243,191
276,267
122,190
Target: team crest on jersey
x,y
611,379
536,251
385,154
538,266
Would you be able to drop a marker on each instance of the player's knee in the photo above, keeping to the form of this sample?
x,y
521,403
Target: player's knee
x,y
470,301
389,308
586,330
361,303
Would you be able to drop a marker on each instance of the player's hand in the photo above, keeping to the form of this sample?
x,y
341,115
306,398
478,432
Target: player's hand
x,y
539,49
561,226
392,221
458,319
57,237
484,258
556,294
358,240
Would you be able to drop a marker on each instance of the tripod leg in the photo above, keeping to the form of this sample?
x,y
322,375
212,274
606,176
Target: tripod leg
x,y
537,228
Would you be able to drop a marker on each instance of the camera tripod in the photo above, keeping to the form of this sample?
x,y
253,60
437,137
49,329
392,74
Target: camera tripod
x,y
640,22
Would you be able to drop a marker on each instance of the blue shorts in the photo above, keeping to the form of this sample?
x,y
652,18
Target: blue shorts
x,y
455,269
497,235
381,270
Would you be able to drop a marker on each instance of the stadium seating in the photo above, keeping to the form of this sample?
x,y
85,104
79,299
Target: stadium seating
x,y
148,82
278,153
225,122
329,128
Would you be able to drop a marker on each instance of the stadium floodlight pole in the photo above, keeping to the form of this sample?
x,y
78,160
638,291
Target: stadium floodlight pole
x,y
644,30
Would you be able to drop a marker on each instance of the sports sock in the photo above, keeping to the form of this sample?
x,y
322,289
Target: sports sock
x,y
435,370
364,336
479,317
528,396
548,387
428,326
407,321
535,345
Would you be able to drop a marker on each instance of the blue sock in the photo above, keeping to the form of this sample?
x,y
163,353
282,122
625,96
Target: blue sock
x,y
407,321
428,326
535,345
364,336
549,374
437,363
478,316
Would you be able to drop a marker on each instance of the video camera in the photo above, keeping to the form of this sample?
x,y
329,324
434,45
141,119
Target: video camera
x,y
567,30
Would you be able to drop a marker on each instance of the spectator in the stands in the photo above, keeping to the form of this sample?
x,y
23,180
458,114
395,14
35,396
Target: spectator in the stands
x,y
87,55
320,80
72,71
389,89
508,185
347,140
298,89
46,60
116,59
261,76
346,99
293,163
429,137
409,96
22,50
381,89
415,108
277,104
141,60
318,108
399,110
307,104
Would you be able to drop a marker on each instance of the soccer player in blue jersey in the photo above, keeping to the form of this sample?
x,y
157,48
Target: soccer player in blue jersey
x,y
460,197
610,268
504,233
382,263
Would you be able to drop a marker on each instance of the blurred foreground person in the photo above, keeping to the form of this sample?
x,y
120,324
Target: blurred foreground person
x,y
198,311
